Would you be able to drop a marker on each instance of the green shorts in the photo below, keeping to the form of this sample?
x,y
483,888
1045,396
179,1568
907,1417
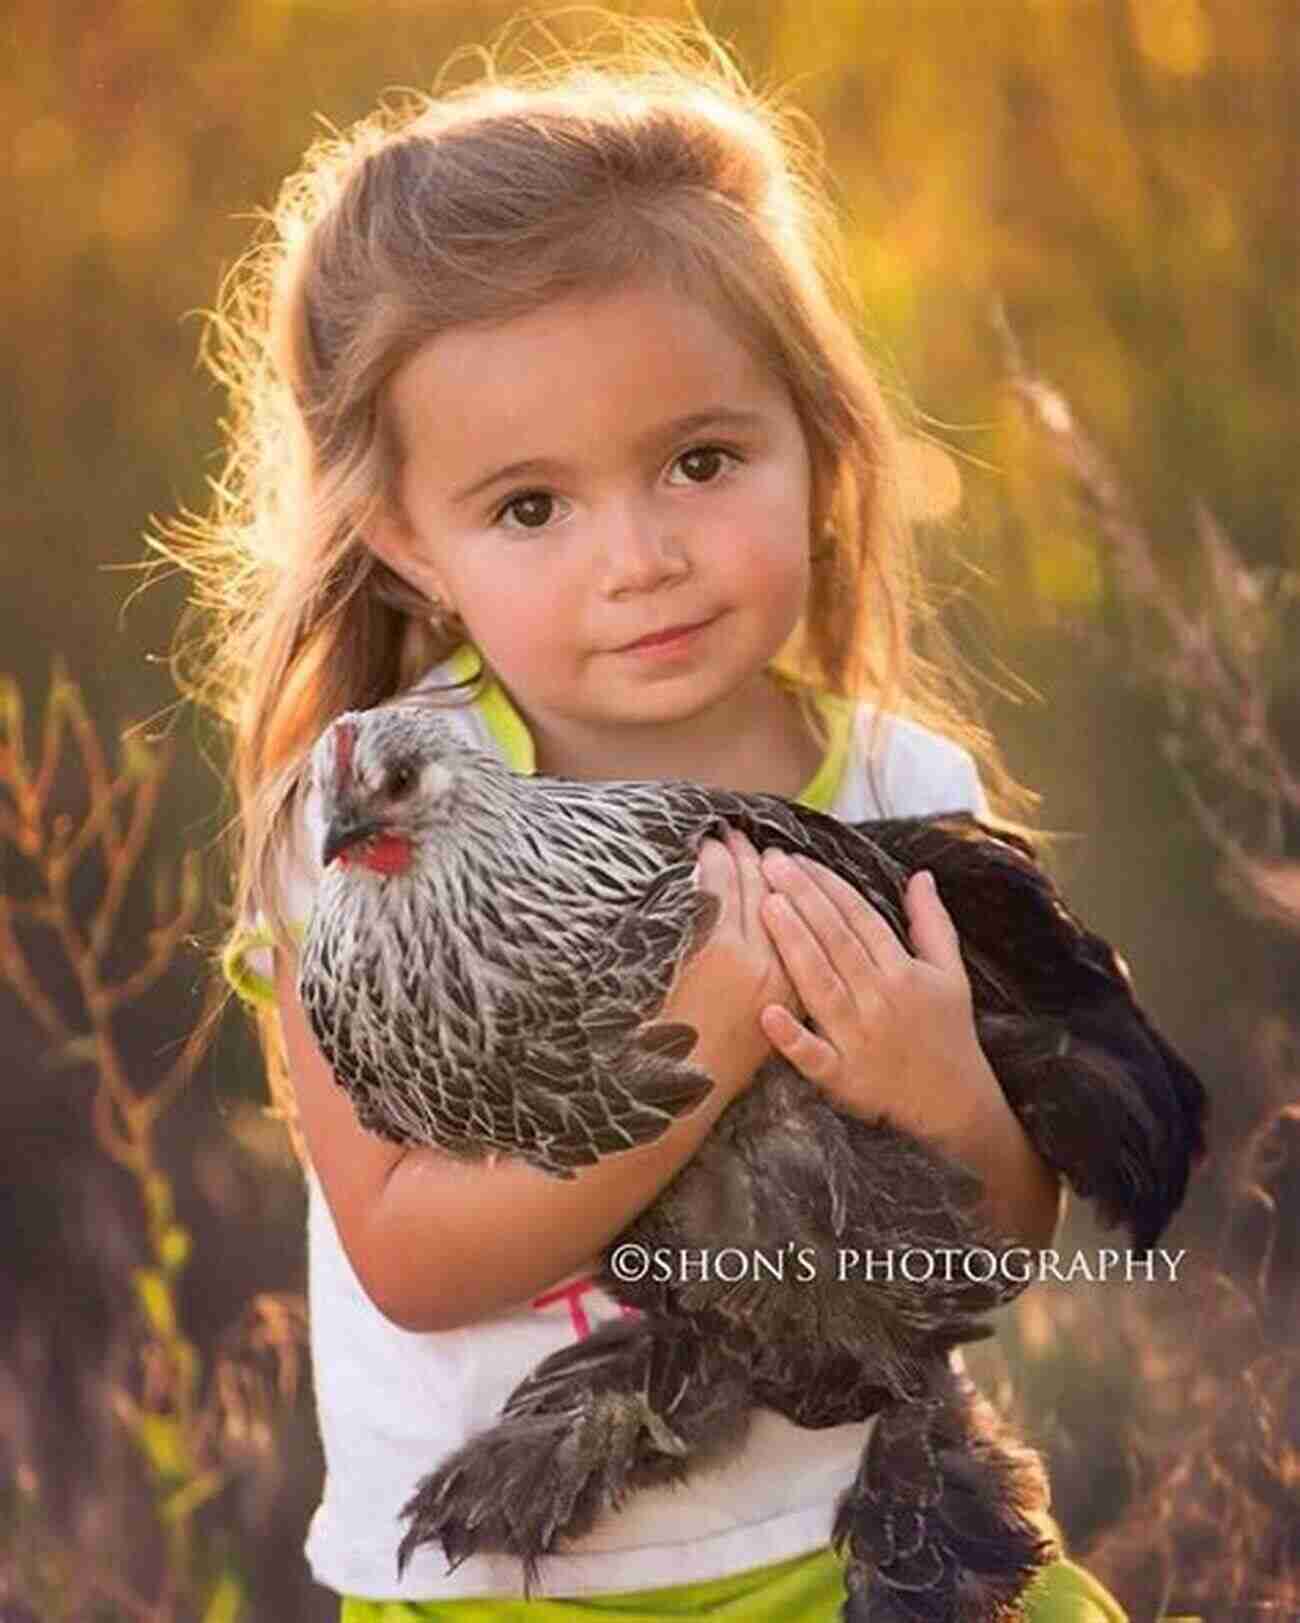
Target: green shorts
x,y
805,1589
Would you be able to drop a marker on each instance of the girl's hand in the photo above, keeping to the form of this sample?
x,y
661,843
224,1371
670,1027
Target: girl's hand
x,y
736,974
896,1030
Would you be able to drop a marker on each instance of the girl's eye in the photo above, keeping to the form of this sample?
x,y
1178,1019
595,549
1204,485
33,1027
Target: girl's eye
x,y
531,507
706,461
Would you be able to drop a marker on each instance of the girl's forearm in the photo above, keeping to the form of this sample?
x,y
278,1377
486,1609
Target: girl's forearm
x,y
1022,1195
436,1243
467,1240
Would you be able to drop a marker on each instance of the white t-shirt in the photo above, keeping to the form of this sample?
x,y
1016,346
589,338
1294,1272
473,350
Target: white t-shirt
x,y
393,1404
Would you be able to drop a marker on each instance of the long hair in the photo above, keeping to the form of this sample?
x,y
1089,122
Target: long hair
x,y
580,172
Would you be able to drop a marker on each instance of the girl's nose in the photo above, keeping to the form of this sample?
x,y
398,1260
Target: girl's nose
x,y
641,553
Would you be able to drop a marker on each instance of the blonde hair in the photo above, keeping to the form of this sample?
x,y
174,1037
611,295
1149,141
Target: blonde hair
x,y
583,172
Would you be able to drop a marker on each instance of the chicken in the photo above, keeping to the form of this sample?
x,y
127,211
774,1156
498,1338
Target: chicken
x,y
483,968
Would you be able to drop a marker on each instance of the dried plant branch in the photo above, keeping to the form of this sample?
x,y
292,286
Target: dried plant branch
x,y
14,970
192,1425
1214,660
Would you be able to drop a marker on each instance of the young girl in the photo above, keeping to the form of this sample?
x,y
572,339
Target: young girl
x,y
548,401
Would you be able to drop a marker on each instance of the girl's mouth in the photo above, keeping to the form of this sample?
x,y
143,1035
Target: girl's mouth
x,y
673,637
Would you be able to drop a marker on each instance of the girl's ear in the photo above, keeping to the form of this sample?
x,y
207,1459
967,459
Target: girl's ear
x,y
390,538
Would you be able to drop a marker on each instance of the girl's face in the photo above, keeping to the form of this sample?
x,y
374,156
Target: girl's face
x,y
605,468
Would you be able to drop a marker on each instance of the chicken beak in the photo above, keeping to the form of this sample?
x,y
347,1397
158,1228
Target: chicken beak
x,y
347,830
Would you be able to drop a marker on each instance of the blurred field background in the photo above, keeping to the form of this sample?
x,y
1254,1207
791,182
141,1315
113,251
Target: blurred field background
x,y
1074,227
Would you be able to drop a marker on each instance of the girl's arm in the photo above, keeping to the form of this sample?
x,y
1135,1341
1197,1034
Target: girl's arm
x,y
1023,1197
438,1243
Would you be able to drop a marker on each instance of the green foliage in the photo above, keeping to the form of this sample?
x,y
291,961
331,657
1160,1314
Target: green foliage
x,y
225,1604
155,1299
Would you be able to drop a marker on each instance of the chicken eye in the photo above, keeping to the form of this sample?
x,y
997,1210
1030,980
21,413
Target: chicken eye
x,y
401,780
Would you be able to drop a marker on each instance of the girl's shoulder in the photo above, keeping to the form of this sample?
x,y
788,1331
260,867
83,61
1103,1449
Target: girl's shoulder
x,y
898,767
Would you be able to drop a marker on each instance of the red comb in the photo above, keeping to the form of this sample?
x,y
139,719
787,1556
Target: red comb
x,y
345,737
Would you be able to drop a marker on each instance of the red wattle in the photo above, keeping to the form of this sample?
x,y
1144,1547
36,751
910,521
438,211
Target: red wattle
x,y
387,853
